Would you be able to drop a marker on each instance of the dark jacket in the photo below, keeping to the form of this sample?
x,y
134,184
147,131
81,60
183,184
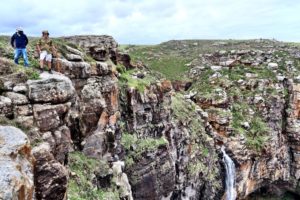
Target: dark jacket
x,y
19,40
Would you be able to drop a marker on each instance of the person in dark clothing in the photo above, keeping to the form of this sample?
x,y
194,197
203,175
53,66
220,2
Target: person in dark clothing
x,y
19,42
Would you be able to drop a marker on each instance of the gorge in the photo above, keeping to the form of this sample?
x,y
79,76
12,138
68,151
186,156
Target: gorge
x,y
185,119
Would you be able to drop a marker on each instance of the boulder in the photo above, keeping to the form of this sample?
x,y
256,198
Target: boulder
x,y
52,88
20,88
229,63
16,165
272,66
16,98
74,51
74,57
216,68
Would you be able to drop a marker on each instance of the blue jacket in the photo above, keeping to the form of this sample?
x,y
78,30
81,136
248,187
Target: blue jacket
x,y
19,40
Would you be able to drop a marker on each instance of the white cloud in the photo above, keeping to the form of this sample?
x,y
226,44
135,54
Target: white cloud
x,y
154,21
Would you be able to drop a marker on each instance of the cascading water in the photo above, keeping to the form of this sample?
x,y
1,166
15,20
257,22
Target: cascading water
x,y
230,176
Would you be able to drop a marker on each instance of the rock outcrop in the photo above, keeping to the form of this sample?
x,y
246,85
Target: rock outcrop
x,y
106,131
16,165
51,88
51,177
99,47
176,165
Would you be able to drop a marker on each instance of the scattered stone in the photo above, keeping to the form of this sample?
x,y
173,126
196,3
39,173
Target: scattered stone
x,y
216,75
216,68
222,52
230,63
140,75
280,77
250,75
246,125
272,66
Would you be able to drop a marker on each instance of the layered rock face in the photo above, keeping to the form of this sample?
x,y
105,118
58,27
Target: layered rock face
x,y
60,113
254,115
179,167
16,165
292,131
99,47
98,132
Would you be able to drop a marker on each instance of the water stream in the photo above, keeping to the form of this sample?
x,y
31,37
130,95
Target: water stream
x,y
230,176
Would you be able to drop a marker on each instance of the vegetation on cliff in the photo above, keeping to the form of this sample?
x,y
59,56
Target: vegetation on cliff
x,y
83,176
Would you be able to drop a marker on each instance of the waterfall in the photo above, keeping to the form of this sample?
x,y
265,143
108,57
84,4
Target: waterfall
x,y
230,176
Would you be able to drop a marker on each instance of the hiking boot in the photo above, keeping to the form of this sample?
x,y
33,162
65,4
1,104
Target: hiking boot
x,y
50,71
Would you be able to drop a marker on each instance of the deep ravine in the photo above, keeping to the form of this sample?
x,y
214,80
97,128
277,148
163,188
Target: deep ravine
x,y
105,128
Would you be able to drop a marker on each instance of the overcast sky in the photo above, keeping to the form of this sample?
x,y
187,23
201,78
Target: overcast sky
x,y
155,21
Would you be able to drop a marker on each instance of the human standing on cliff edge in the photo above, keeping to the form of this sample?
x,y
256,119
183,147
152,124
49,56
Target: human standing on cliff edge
x,y
19,42
46,49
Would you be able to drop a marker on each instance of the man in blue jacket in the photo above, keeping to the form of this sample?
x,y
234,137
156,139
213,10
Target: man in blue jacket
x,y
19,41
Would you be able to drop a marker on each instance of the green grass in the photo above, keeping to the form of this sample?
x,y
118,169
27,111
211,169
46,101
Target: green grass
x,y
203,87
238,72
31,73
81,187
257,135
136,146
219,112
170,58
172,66
186,113
127,79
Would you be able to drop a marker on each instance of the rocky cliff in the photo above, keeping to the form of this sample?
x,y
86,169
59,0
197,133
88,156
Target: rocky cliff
x,y
104,127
